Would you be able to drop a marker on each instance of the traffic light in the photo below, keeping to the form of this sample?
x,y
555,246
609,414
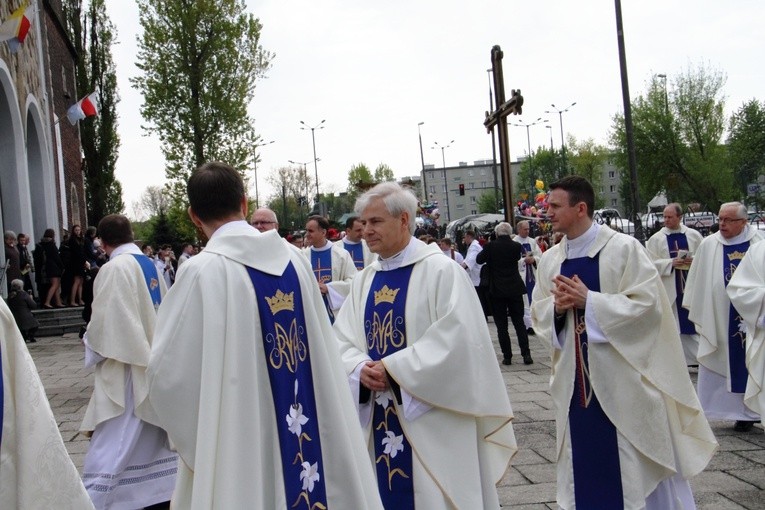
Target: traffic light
x,y
462,189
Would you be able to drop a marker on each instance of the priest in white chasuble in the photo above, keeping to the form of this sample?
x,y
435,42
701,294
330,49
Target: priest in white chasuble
x,y
129,463
672,249
431,399
332,266
722,365
747,294
245,374
527,266
355,245
36,472
630,429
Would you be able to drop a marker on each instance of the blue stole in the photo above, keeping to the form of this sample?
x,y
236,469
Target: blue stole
x,y
357,254
530,281
675,243
594,447
286,348
321,262
732,256
385,331
151,277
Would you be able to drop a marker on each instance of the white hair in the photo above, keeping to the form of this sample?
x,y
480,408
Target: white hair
x,y
503,229
17,284
396,198
740,208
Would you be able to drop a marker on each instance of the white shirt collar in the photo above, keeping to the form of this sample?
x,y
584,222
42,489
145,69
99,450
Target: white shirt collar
x,y
126,248
230,226
396,260
323,248
576,248
738,239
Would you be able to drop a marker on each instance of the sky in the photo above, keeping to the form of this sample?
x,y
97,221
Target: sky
x,y
374,70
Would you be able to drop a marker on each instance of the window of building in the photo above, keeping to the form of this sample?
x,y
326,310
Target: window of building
x,y
460,206
443,189
457,178
613,202
483,171
611,174
473,211
472,199
432,189
471,173
483,184
612,188
472,185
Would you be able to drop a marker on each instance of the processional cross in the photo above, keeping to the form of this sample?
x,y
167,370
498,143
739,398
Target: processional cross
x,y
498,118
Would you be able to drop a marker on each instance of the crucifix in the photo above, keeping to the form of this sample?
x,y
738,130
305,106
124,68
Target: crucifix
x,y
498,118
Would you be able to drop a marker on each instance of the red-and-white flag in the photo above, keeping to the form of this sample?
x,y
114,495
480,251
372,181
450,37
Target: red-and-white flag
x,y
15,29
85,107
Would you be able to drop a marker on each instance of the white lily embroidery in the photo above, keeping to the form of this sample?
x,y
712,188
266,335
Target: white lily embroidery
x,y
296,419
309,475
742,327
383,398
393,444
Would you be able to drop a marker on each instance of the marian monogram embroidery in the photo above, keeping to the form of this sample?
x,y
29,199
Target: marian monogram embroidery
x,y
288,348
385,332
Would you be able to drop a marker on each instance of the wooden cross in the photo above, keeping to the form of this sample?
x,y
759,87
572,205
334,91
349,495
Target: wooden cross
x,y
497,118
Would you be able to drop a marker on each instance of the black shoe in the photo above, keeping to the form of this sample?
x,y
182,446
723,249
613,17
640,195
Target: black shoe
x,y
507,361
527,360
530,331
743,426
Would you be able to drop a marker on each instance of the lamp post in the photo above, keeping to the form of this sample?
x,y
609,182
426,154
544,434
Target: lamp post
x,y
562,141
305,174
548,126
313,138
255,168
666,99
422,160
527,126
446,186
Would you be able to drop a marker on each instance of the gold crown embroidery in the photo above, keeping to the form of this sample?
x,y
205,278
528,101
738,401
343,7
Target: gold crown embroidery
x,y
281,301
385,295
736,255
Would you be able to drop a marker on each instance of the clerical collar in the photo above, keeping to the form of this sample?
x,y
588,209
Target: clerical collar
x,y
677,230
738,239
397,260
326,247
125,248
230,226
576,248
348,241
523,239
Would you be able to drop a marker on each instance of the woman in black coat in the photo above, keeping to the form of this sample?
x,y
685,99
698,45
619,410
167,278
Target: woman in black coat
x,y
76,266
51,268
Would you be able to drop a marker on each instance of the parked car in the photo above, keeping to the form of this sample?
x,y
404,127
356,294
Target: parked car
x,y
700,220
653,221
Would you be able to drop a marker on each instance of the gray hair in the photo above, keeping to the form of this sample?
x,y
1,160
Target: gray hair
x,y
740,208
270,212
676,207
9,234
17,284
397,200
503,229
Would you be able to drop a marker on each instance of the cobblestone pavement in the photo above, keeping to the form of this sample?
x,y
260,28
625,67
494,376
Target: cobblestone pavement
x,y
735,478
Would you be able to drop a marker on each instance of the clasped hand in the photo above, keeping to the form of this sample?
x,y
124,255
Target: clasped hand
x,y
568,293
373,376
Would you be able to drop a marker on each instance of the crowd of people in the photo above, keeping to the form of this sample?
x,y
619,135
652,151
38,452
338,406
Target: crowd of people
x,y
354,368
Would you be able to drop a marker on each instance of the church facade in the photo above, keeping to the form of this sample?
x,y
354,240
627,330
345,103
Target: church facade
x,y
41,179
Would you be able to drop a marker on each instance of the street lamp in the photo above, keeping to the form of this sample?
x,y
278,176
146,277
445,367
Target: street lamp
x,y
305,173
446,186
562,142
527,126
548,126
313,138
666,100
255,167
422,159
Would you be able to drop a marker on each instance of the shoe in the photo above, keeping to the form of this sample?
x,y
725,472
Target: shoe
x,y
527,360
81,303
48,307
743,426
507,361
530,331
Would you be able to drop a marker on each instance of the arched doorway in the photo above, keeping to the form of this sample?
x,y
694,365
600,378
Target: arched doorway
x,y
41,183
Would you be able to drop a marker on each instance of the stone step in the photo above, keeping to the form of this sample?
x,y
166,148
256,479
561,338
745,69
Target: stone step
x,y
58,321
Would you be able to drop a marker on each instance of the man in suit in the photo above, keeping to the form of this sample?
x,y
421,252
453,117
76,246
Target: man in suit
x,y
506,290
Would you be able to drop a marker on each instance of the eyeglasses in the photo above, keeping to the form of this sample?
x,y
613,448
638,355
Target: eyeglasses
x,y
724,221
258,223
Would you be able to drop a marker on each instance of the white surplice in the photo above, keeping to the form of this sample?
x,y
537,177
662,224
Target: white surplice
x,y
343,271
659,251
36,472
708,307
536,252
457,412
636,370
209,382
129,463
473,267
746,291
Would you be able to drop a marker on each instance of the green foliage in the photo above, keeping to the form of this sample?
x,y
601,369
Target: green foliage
x,y
199,63
487,203
292,187
746,144
383,173
93,34
677,133
546,165
358,175
587,159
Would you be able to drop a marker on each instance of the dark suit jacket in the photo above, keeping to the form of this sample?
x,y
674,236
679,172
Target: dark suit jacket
x,y
501,258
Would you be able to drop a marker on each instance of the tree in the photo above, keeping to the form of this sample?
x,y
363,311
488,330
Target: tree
x,y
677,138
587,159
383,173
487,203
545,165
292,188
93,34
358,174
746,143
199,63
153,201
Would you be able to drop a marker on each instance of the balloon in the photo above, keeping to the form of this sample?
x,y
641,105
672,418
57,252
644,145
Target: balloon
x,y
540,185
